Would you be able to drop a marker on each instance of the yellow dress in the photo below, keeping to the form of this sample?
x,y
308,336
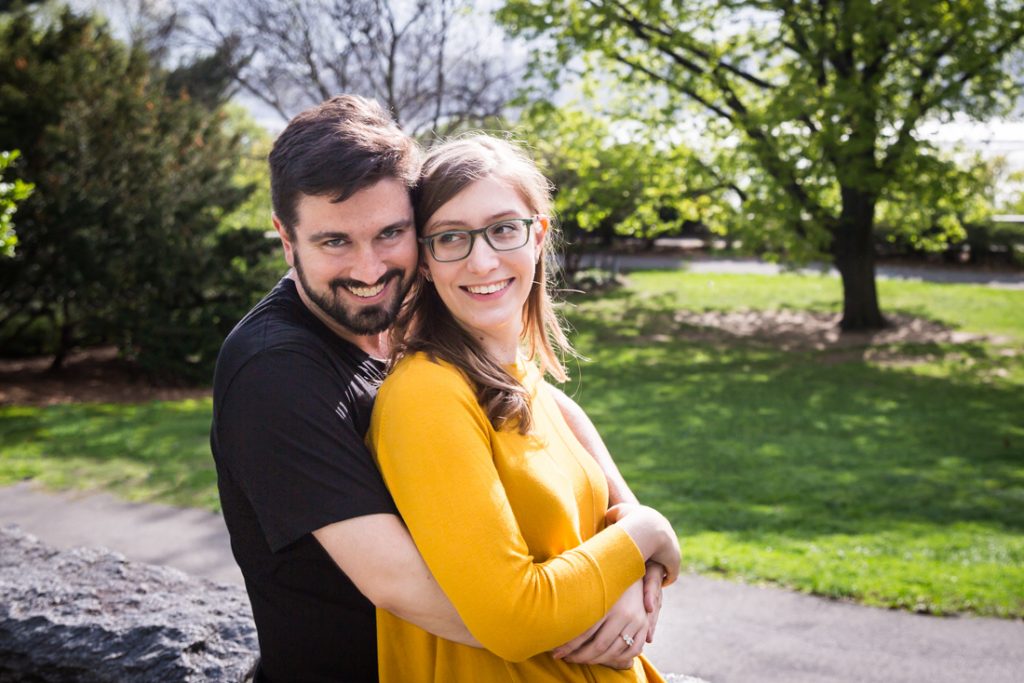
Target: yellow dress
x,y
509,526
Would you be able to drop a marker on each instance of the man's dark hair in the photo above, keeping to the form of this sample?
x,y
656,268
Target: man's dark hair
x,y
335,149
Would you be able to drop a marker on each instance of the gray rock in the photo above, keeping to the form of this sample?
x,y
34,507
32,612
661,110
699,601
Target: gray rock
x,y
90,615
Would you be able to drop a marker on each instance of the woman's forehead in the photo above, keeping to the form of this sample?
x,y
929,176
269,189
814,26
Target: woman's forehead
x,y
480,203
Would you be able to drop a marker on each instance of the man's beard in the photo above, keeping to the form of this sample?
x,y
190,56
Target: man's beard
x,y
364,320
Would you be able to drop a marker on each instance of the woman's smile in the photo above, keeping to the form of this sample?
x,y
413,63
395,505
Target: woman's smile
x,y
489,291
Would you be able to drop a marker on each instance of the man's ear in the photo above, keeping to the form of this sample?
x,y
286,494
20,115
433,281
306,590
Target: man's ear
x,y
286,242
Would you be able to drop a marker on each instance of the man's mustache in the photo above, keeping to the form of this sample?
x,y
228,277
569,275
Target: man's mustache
x,y
339,282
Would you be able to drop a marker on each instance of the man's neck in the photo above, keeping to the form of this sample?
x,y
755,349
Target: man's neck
x,y
373,345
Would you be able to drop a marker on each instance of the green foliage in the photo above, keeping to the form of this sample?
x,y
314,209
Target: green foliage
x,y
817,103
11,193
210,79
932,206
252,170
121,241
12,5
1015,204
621,182
1003,237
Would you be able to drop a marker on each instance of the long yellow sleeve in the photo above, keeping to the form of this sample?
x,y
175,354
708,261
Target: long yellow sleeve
x,y
507,523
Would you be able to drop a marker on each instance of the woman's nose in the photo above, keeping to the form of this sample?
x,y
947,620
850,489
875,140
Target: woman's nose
x,y
482,257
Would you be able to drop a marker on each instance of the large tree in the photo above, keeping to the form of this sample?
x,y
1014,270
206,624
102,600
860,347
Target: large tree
x,y
823,98
425,60
121,241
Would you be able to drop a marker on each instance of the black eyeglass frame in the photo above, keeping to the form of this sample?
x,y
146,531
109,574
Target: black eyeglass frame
x,y
429,240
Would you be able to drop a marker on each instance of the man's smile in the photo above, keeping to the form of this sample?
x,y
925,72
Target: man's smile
x,y
366,292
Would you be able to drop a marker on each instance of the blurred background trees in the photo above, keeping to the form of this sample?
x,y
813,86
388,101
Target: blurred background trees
x,y
823,98
792,129
421,59
120,243
622,183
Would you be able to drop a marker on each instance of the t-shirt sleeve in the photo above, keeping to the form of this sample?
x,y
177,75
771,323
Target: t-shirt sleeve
x,y
290,442
432,442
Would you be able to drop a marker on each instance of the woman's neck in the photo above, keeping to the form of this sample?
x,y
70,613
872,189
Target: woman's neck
x,y
503,349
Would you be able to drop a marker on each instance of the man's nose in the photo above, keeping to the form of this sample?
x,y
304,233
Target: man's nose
x,y
368,266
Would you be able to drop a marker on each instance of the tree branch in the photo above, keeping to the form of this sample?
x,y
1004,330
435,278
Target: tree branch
x,y
675,85
642,28
920,105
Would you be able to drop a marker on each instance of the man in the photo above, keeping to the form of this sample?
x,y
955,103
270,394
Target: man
x,y
293,391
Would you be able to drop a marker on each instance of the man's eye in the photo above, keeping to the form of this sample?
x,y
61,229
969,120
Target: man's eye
x,y
337,242
392,233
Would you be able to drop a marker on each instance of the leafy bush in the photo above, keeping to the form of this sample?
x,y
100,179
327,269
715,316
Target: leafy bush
x,y
11,193
122,240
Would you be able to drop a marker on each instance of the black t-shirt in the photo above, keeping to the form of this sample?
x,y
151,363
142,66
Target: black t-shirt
x,y
291,403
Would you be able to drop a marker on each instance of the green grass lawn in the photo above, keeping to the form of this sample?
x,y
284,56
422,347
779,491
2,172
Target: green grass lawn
x,y
970,308
157,451
896,483
894,479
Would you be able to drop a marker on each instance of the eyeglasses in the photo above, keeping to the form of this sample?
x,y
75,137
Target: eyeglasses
x,y
507,234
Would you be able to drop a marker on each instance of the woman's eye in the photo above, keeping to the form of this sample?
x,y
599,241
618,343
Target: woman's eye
x,y
448,238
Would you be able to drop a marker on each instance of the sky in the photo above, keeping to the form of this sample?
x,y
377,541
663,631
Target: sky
x,y
994,138
999,138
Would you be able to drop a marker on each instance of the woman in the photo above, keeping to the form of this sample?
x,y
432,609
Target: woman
x,y
506,507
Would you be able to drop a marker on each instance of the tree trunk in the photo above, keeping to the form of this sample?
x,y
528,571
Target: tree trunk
x,y
65,339
853,250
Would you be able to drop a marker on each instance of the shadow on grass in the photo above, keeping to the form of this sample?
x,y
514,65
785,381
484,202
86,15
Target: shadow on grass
x,y
151,451
747,440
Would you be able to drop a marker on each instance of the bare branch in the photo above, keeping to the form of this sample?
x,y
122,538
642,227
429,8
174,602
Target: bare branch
x,y
405,53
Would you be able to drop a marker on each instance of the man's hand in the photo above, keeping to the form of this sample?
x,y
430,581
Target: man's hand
x,y
652,533
617,638
653,580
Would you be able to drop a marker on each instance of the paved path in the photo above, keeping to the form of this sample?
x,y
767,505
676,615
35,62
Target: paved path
x,y
927,273
721,631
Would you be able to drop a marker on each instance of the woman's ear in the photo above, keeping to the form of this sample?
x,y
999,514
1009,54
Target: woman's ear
x,y
541,233
545,223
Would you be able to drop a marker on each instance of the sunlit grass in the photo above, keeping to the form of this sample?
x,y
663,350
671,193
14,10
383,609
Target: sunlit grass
x,y
152,451
893,483
970,308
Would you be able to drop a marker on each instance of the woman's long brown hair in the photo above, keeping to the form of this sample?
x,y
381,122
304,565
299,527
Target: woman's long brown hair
x,y
425,323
